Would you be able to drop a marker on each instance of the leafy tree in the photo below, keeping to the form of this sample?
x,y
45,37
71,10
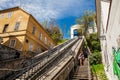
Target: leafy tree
x,y
93,42
80,32
95,58
54,30
95,45
45,24
86,20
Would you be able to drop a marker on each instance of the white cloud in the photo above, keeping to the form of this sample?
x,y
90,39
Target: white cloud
x,y
46,9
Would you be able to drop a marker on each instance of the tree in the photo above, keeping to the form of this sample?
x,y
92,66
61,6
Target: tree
x,y
45,24
80,31
54,30
86,19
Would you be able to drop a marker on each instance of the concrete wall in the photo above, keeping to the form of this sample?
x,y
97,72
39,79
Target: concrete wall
x,y
103,23
111,33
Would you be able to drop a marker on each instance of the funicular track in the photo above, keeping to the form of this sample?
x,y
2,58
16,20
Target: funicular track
x,y
40,63
59,65
51,65
50,62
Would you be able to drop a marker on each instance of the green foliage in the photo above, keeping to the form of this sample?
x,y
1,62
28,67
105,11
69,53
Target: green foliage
x,y
80,32
95,45
95,58
99,71
93,42
62,41
93,37
86,19
54,30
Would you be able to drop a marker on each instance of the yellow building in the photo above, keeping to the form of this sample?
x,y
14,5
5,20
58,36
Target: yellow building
x,y
20,30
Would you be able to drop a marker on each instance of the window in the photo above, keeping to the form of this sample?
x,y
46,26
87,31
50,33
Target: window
x,y
9,14
5,28
45,40
40,37
51,45
1,15
30,47
12,43
33,30
38,50
17,26
26,40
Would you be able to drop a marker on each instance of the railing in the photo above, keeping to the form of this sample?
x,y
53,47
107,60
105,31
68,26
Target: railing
x,y
68,55
48,59
40,59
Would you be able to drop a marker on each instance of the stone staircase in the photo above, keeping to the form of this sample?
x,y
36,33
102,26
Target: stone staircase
x,y
82,72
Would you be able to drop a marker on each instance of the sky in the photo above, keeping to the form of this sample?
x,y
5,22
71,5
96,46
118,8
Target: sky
x,y
64,12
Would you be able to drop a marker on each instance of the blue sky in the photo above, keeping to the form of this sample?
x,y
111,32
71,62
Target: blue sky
x,y
64,12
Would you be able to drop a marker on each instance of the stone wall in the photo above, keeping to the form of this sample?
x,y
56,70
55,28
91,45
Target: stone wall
x,y
8,53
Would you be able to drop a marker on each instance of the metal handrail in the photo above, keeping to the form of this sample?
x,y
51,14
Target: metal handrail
x,y
36,59
60,52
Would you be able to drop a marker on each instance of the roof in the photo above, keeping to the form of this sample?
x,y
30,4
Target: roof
x,y
75,26
9,9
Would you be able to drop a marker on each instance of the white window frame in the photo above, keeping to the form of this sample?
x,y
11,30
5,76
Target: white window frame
x,y
45,40
40,36
11,43
16,26
33,30
10,14
30,47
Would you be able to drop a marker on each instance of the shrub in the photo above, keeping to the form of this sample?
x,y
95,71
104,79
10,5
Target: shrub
x,y
99,71
93,42
95,58
95,45
94,36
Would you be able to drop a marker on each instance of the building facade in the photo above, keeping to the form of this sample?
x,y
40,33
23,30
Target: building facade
x,y
20,30
108,23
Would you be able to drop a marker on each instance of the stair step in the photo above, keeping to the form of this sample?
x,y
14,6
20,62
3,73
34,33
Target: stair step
x,y
81,72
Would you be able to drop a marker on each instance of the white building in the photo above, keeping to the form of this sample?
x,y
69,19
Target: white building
x,y
73,29
108,23
92,30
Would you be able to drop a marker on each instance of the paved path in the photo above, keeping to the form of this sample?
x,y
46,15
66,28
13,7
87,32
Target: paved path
x,y
82,72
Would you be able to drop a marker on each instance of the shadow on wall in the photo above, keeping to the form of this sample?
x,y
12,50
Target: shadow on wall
x,y
7,52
